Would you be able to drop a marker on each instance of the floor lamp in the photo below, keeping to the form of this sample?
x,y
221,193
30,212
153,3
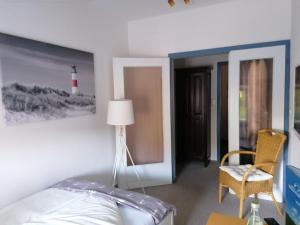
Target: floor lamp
x,y
120,113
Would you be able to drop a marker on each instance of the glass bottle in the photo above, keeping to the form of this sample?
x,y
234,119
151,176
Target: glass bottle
x,y
255,218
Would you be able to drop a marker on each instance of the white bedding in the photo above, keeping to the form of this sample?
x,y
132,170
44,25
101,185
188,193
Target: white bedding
x,y
59,207
131,216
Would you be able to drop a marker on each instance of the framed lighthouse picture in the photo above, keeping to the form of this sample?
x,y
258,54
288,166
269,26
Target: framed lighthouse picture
x,y
41,81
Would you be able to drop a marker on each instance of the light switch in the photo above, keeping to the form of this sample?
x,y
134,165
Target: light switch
x,y
213,102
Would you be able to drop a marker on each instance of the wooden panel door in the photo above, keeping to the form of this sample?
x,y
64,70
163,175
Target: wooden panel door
x,y
224,109
193,113
143,85
198,115
182,108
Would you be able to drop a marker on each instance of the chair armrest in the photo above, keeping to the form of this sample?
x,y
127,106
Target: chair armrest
x,y
236,152
246,175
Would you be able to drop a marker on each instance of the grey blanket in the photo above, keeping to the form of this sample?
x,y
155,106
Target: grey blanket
x,y
153,206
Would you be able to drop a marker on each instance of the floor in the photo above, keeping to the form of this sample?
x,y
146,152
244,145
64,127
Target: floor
x,y
195,196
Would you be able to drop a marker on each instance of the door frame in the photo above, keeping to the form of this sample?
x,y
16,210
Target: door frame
x,y
150,174
226,50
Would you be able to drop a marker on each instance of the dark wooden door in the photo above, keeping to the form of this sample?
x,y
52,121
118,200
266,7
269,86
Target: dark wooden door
x,y
193,114
224,109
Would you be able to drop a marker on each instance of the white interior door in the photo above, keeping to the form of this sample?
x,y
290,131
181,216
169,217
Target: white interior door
x,y
236,58
146,81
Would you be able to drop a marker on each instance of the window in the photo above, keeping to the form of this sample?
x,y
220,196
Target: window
x,y
255,99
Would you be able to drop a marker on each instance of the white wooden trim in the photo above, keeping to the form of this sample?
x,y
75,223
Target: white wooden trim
x,y
278,55
151,174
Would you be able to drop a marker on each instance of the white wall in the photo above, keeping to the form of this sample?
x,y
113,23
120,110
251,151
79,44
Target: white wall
x,y
208,61
294,148
220,25
37,155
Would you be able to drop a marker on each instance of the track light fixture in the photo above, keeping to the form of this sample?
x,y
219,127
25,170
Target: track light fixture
x,y
172,2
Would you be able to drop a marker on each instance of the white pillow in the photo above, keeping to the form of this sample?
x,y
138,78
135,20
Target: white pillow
x,y
59,207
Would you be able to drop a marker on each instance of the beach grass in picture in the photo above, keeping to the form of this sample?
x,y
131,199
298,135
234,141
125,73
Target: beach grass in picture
x,y
41,81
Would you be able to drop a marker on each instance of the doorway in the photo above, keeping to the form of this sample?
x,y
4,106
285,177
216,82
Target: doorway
x,y
193,114
195,80
280,52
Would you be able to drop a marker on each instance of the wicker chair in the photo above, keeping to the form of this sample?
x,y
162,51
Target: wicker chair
x,y
269,145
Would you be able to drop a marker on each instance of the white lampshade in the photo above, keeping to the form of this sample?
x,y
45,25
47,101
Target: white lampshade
x,y
120,112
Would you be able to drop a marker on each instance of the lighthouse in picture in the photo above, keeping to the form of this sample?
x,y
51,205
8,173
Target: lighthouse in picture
x,y
75,90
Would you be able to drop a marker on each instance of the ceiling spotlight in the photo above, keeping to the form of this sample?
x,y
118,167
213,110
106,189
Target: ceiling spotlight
x,y
186,1
171,3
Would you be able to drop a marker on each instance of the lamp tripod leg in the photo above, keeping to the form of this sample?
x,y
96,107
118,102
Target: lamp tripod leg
x,y
123,144
115,171
117,163
135,170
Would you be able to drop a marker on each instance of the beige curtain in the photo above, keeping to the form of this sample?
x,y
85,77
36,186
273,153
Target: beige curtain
x,y
256,87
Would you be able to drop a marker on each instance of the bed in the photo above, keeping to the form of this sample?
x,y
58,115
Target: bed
x,y
87,203
129,216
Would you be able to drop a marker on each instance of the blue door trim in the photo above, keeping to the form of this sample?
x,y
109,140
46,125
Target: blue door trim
x,y
226,50
286,110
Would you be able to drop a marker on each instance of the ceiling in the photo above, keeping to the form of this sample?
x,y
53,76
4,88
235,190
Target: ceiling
x,y
138,9
129,9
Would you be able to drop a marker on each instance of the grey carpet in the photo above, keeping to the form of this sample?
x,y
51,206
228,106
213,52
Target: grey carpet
x,y
195,195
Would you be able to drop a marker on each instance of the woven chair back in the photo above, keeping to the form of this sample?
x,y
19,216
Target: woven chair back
x,y
268,148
